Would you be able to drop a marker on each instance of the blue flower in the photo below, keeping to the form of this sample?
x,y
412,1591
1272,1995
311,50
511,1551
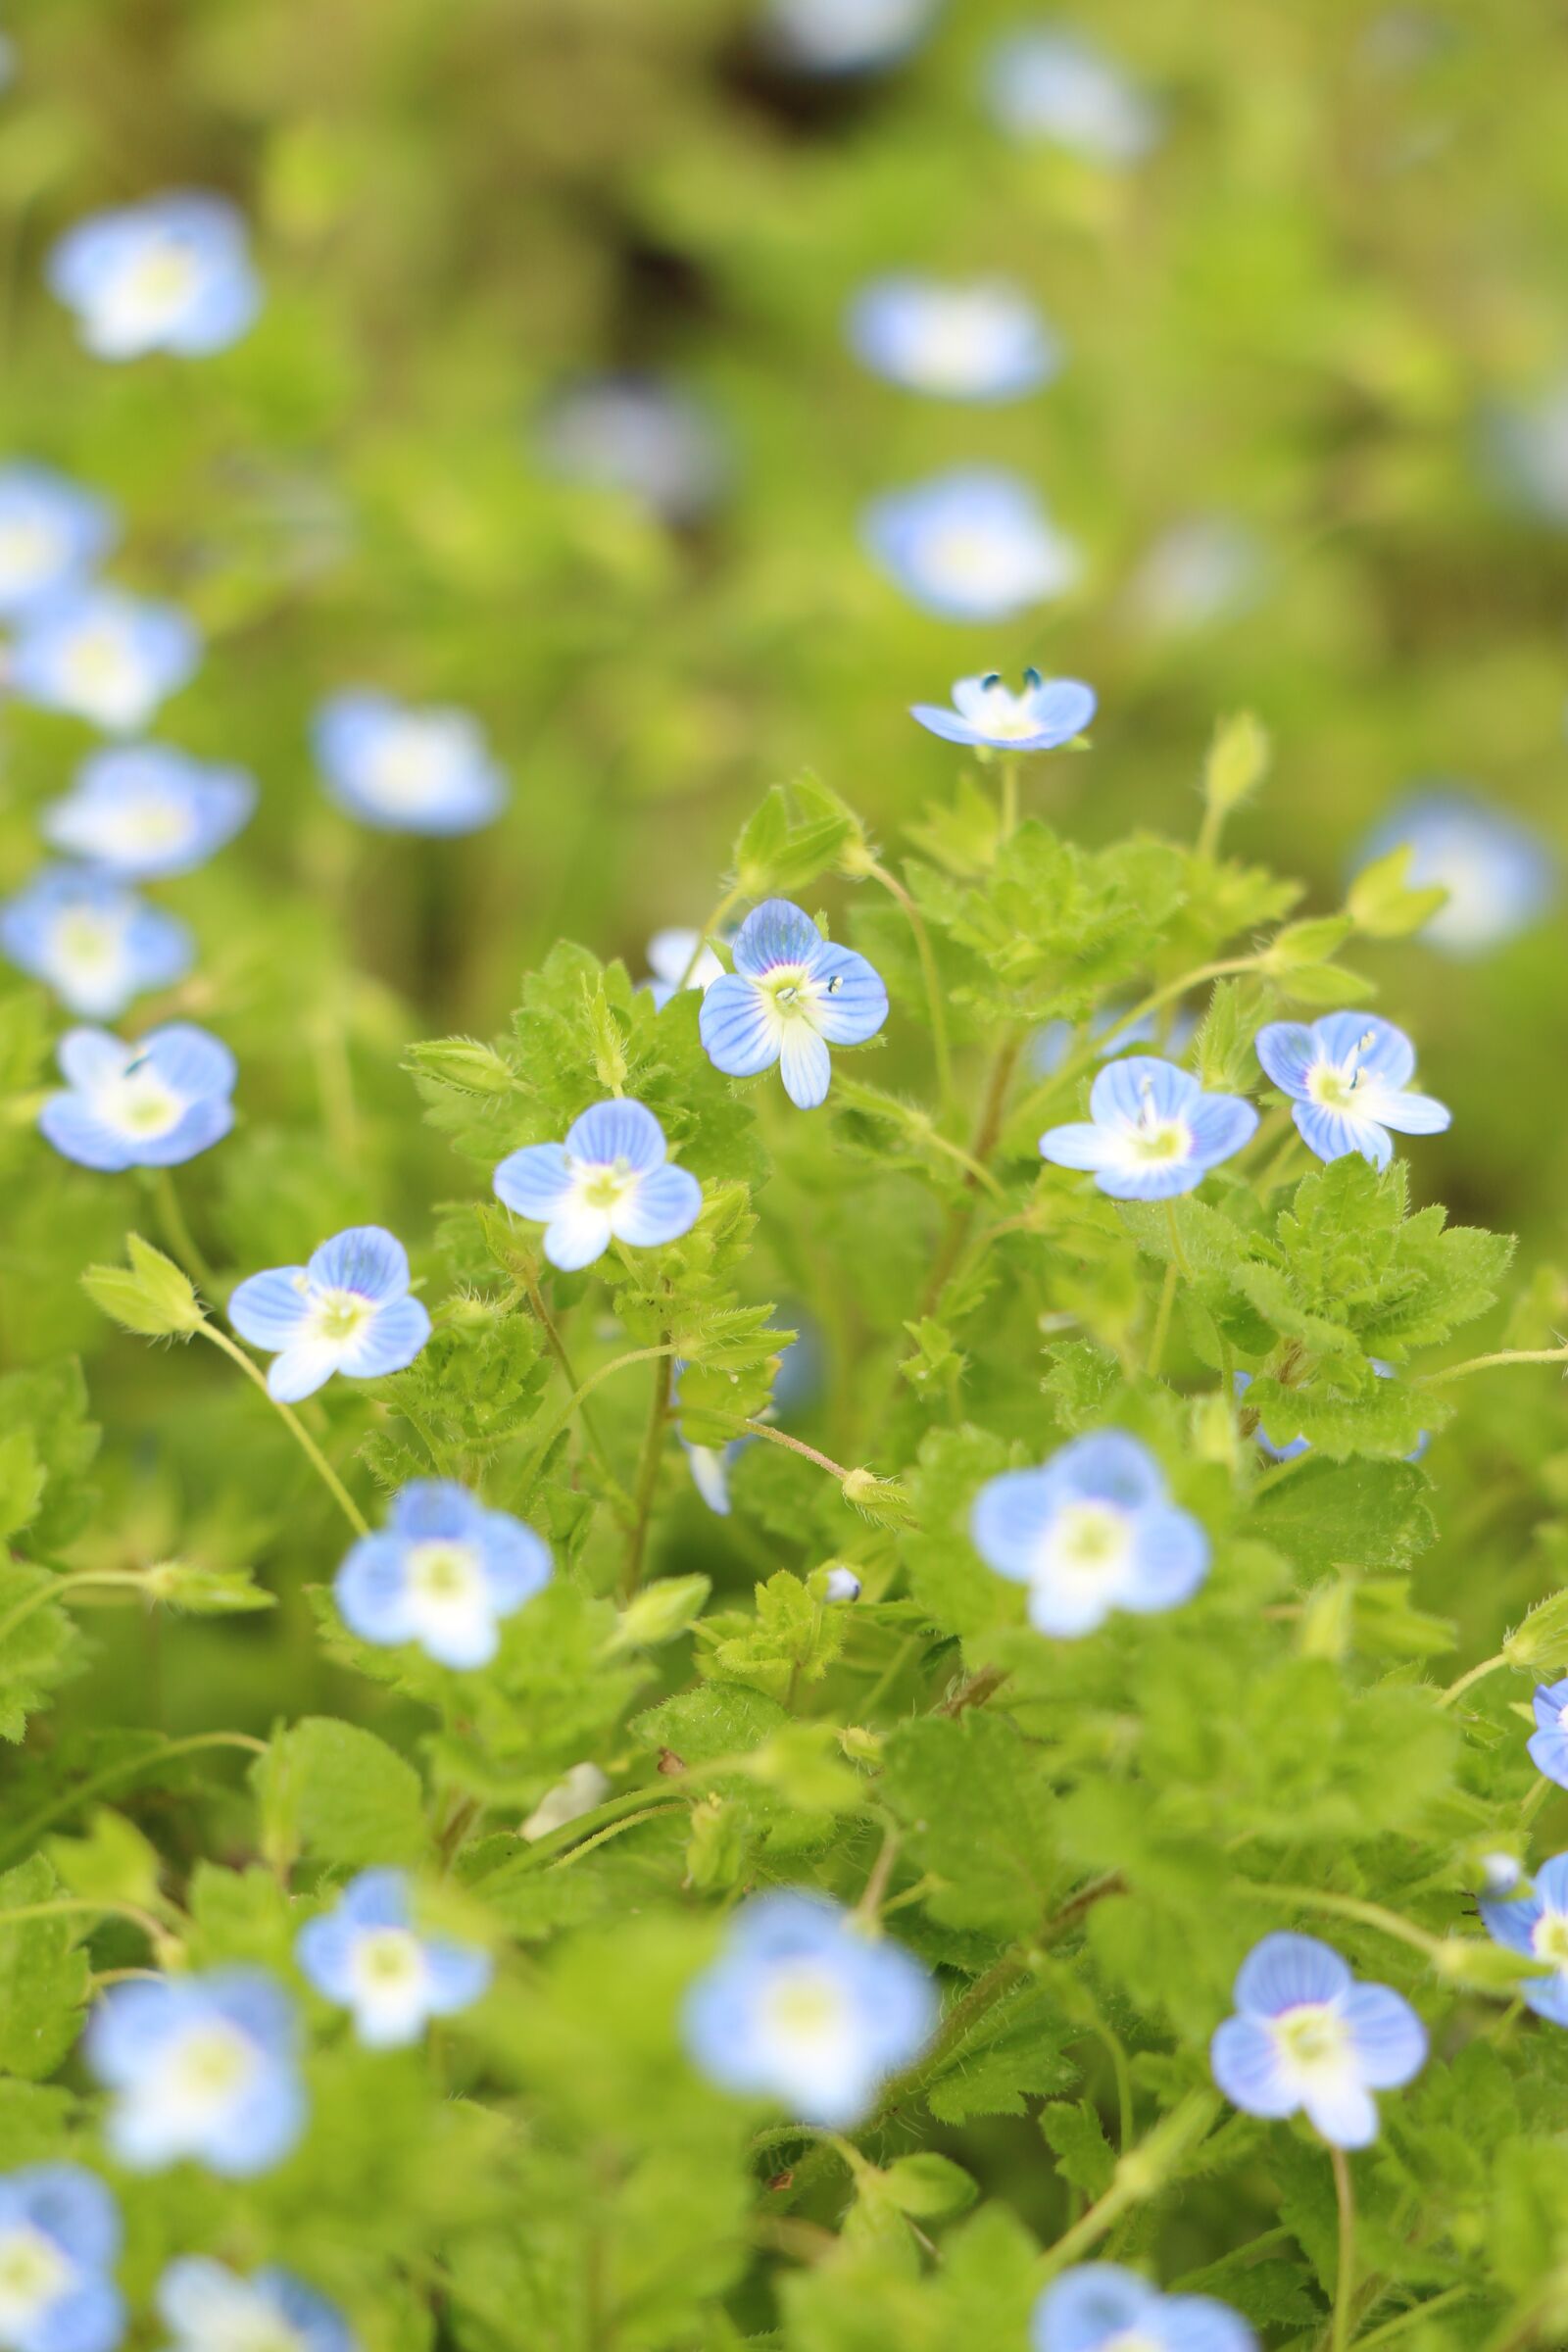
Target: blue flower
x,y
679,960
172,273
1308,2037
1537,1925
52,534
1054,85
406,770
145,812
1092,1531
609,1181
1047,714
1102,2308
365,1955
202,2066
846,36
1201,570
92,940
442,1572
1548,1744
59,2240
211,2309
840,1584
150,1105
1292,1448
802,2007
1349,1076
100,654
790,995
984,341
1054,1041
1500,875
1152,1132
349,1312
971,545
637,436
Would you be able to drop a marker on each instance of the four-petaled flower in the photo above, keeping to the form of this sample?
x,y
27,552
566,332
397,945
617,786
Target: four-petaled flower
x,y
211,2309
609,1181
100,654
1548,1744
803,2007
442,1572
52,534
366,1954
151,1104
1537,1925
406,770
349,1310
202,2066
59,2240
846,36
1092,1531
1050,84
972,545
790,995
92,940
172,273
984,341
144,810
1348,1077
1099,2307
987,714
1152,1131
1308,2036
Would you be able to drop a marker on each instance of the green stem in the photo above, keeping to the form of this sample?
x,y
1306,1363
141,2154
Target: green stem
x,y
23,1837
66,1906
647,1476
620,1500
933,982
730,901
1168,1299
1417,2313
616,1363
1010,794
1485,1363
1445,1698
614,1829
177,1233
60,1585
1345,2270
1138,2176
301,1434
810,1453
1348,1906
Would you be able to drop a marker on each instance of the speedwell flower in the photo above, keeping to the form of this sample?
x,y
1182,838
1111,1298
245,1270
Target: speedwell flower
x,y
1306,2035
984,341
51,536
1092,1531
349,1312
442,1572
210,2309
971,545
1099,2307
803,2006
609,1181
679,960
1047,84
151,1104
1047,714
100,654
790,995
170,275
201,2066
1348,1077
1548,1743
92,940
144,810
1537,1925
1152,1131
59,2239
846,36
406,770
1500,875
366,1954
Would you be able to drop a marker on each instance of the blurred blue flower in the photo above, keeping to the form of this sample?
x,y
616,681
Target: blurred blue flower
x,y
59,2237
406,770
442,1572
844,36
92,940
104,657
803,2007
1348,1077
1054,1041
1152,1131
145,811
1047,82
609,1181
1548,1743
201,2066
1092,1531
840,1584
1202,570
1537,1925
365,1955
1099,2307
790,995
1525,444
981,341
986,713
52,534
349,1312
1292,1448
679,960
1500,875
149,1104
637,435
1306,2035
971,545
172,273
211,2309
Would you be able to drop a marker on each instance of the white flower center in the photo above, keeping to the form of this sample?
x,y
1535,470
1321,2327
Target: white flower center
x,y
603,1184
204,2071
1086,1542
139,1102
1548,1939
336,1315
29,551
387,1962
249,2327
85,942
152,820
1344,1086
1007,714
33,2272
970,558
794,995
804,2006
161,281
1311,2042
411,764
444,1575
98,665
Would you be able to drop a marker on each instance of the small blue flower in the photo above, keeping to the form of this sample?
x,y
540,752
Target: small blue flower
x,y
406,770
1202,570
92,940
52,535
204,2066
172,273
609,1181
1152,1132
1500,875
1537,1925
1308,2037
637,436
1054,1041
59,2241
971,545
349,1312
211,2309
100,654
1102,2308
790,995
145,812
442,1572
840,1584
1292,1448
846,36
151,1104
679,960
984,341
1054,85
988,714
1349,1076
1548,1744
365,1955
1093,1530
803,2007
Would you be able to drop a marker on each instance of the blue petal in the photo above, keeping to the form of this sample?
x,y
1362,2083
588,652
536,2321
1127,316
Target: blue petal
x,y
945,723
1287,1051
325,1950
1548,1753
1107,1466
1060,707
189,1060
1169,1560
72,2206
439,1508
1551,1882
1389,2038
576,1236
1009,1517
805,1065
1414,1114
664,1204
737,1026
75,1131
269,1309
365,1259
618,1130
301,1368
87,2316
1078,1145
775,932
1512,1924
534,1180
91,1057
1246,2067
1332,1135
1091,2306
389,1342
1159,1179
1120,1087
376,1898
1550,1703
1221,1124
459,1975
1198,2323
1382,1050
203,1124
516,1561
1286,1970
858,1003
371,1590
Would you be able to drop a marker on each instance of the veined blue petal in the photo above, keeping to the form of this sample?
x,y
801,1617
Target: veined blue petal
x,y
1246,2066
364,1258
1512,1924
1287,1051
371,1592
946,723
1121,1089
805,1065
1414,1114
1333,1135
437,1508
1158,1180
1343,2110
1285,1970
189,1060
858,1004
77,1133
740,1029
576,1235
1548,1751
270,1310
1108,1465
774,932
388,1341
1009,1515
1382,1050
1061,707
1221,1124
617,1130
1088,2308
1389,2039
665,1203
1078,1145
1169,1560
302,1368
1551,1882
534,1180
516,1561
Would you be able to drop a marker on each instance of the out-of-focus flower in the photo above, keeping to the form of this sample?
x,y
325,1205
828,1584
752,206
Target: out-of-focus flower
x,y
144,810
349,1312
406,770
211,2309
971,545
1307,2035
1526,447
1500,875
444,1572
52,534
1152,1131
1548,1743
151,1104
638,435
1092,1531
103,656
983,341
844,36
60,2237
366,1956
92,940
790,995
987,714
1102,2308
1349,1078
1202,570
170,275
201,2066
680,960
609,1181
1537,1925
1049,84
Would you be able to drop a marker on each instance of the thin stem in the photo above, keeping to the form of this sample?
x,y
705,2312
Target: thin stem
x,y
730,900
1485,1363
1413,2317
1348,1906
301,1435
1168,1299
1094,1047
1344,2272
647,1476
66,1906
177,1233
1124,2085
616,1363
614,1829
1135,2181
1010,794
620,1500
22,1837
1209,831
60,1585
869,1906
779,1436
933,982
1445,1698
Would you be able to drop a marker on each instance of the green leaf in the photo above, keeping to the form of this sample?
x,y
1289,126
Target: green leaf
x,y
44,1975
1382,903
151,1295
1365,1515
1076,2137
928,2186
977,1803
341,1795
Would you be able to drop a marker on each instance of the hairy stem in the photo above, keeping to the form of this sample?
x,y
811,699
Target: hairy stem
x,y
1485,1363
620,1500
929,973
297,1428
177,1233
